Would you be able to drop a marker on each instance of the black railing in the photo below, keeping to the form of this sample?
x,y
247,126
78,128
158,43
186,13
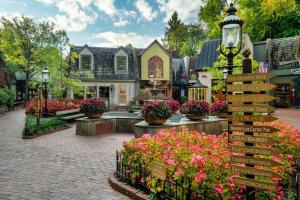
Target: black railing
x,y
171,189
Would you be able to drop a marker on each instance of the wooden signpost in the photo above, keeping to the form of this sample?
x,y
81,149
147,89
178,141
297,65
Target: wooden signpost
x,y
38,107
250,98
250,108
250,103
250,87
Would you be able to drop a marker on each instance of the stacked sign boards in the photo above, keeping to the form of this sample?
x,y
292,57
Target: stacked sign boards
x,y
247,110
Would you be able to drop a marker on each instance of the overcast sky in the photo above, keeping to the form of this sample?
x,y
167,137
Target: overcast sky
x,y
105,22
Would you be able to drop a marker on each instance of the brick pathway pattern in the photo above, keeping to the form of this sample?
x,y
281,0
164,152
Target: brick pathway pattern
x,y
60,165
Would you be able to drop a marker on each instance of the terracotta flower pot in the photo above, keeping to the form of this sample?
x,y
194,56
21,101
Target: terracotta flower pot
x,y
155,121
194,117
93,115
222,115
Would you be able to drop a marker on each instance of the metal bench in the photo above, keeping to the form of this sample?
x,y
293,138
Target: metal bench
x,y
69,114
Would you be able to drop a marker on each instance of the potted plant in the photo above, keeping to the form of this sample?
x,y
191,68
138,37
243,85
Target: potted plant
x,y
174,105
156,112
93,108
194,109
219,108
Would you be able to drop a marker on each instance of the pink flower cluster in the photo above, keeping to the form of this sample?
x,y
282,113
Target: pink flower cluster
x,y
219,107
156,110
194,107
93,105
173,104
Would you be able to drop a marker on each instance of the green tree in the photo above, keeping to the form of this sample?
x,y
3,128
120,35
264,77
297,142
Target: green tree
x,y
32,46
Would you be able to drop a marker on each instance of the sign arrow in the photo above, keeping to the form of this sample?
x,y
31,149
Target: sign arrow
x,y
253,129
251,139
254,171
250,98
250,108
250,87
249,77
254,183
254,161
253,150
251,118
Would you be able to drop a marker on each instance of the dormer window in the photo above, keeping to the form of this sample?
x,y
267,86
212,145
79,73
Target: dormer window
x,y
86,62
121,62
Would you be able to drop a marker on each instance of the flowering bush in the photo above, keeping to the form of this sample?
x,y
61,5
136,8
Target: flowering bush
x,y
156,110
93,105
173,104
194,107
203,160
53,105
219,107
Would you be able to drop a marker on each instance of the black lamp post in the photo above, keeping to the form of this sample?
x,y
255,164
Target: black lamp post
x,y
45,79
231,36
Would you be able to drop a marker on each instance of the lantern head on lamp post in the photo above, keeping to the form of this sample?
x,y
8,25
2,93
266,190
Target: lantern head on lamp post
x,y
45,79
231,36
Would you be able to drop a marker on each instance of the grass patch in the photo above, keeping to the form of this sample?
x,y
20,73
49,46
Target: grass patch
x,y
46,125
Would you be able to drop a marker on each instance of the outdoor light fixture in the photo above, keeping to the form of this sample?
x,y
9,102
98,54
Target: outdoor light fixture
x,y
46,79
45,76
231,36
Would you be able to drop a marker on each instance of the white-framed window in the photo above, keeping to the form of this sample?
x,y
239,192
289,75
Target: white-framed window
x,y
85,62
121,62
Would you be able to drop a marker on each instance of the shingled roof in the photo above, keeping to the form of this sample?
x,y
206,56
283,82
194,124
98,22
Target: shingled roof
x,y
104,62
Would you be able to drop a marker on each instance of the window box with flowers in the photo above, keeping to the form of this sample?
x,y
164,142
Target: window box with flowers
x,y
156,112
194,110
93,108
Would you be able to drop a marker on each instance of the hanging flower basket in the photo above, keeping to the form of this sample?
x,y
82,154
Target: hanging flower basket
x,y
156,112
194,110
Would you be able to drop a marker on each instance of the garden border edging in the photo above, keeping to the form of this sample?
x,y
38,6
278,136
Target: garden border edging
x,y
126,189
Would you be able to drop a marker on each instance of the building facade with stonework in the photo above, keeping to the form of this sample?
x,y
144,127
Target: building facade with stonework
x,y
115,73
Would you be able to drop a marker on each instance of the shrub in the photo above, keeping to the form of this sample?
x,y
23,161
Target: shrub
x,y
194,107
183,99
203,160
93,105
219,107
156,110
53,105
46,125
7,97
173,104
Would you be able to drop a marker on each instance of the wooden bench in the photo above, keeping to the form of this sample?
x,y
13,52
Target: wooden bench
x,y
69,114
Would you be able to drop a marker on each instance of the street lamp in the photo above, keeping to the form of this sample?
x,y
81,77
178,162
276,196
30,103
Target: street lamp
x,y
231,36
45,79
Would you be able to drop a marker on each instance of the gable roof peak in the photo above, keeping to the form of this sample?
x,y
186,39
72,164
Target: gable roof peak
x,y
155,42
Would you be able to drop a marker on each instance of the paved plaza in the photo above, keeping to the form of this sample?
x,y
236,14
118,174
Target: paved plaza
x,y
56,166
62,165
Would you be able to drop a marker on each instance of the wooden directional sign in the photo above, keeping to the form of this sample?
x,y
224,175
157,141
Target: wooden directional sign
x,y
250,87
250,98
251,139
253,150
254,161
250,108
251,118
248,77
255,129
254,171
159,170
254,183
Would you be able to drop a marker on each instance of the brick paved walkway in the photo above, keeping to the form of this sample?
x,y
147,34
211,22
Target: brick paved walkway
x,y
55,166
290,116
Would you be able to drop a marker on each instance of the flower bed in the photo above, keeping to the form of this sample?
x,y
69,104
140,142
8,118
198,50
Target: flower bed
x,y
202,161
93,105
156,110
53,105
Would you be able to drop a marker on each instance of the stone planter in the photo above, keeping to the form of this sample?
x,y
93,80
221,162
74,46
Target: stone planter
x,y
194,117
155,121
222,115
93,115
